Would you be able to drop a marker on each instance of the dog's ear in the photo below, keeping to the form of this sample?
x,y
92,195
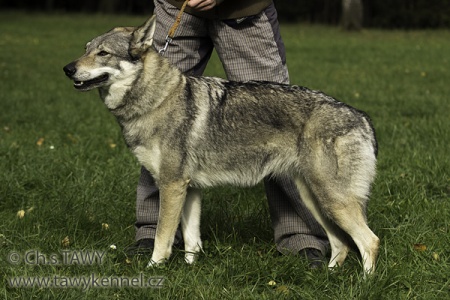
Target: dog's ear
x,y
123,29
142,38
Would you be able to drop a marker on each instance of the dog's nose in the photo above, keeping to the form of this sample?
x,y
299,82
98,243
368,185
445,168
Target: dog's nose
x,y
70,69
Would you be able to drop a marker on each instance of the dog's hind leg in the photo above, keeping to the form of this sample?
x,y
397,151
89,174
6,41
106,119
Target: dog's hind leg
x,y
351,219
172,198
336,237
338,205
190,224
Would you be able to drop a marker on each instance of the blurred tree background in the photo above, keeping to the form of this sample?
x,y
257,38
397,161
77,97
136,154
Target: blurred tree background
x,y
351,14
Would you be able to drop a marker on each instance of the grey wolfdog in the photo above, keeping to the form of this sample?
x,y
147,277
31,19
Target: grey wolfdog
x,y
195,132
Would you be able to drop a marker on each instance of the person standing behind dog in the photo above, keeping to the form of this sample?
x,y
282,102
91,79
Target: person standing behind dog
x,y
245,34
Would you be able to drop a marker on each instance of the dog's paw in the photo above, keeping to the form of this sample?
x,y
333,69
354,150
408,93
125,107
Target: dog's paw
x,y
154,264
190,258
192,252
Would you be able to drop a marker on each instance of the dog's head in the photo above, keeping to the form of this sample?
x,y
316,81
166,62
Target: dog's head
x,y
111,57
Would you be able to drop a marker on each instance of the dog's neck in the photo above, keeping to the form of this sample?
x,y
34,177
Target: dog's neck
x,y
145,82
114,95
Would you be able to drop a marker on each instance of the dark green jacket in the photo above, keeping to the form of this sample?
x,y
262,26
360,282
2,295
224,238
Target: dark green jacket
x,y
228,9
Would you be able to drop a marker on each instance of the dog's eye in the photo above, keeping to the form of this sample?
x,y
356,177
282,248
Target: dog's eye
x,y
102,53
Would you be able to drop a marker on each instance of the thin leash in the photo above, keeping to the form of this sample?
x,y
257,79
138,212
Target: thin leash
x,y
172,29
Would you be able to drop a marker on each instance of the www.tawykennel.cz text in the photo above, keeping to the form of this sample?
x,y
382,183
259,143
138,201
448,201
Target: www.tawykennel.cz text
x,y
86,282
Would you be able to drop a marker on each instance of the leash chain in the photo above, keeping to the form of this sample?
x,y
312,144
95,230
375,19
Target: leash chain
x,y
174,27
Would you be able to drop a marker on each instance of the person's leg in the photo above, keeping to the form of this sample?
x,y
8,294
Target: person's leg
x,y
191,47
253,50
189,51
294,226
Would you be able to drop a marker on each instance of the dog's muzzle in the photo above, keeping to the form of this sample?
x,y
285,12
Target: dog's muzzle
x,y
71,70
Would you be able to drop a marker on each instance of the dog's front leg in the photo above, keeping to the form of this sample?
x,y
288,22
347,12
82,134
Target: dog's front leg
x,y
172,196
190,224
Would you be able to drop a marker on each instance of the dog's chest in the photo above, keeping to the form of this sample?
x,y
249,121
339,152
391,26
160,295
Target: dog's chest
x,y
150,158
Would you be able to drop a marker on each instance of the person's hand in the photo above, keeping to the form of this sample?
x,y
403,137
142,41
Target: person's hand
x,y
202,5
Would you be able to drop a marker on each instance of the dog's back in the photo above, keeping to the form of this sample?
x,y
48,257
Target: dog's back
x,y
255,129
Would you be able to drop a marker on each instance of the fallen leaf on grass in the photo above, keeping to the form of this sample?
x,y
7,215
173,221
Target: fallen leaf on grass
x,y
420,247
3,240
284,289
272,283
105,226
65,242
112,144
40,141
21,214
435,256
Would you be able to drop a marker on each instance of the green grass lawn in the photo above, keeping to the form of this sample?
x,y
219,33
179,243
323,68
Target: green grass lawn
x,y
65,170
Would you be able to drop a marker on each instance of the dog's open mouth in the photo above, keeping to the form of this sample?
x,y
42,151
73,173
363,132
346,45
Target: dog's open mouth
x,y
81,85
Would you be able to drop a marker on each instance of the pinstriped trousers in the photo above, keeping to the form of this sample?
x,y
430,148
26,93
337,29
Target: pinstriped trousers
x,y
251,50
